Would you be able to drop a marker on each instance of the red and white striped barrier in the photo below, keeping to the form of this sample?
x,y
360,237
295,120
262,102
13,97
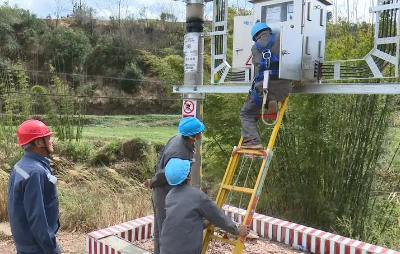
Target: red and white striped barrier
x,y
302,237
130,231
292,234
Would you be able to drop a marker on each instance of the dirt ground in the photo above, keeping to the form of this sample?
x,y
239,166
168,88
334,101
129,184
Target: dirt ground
x,y
71,243
74,243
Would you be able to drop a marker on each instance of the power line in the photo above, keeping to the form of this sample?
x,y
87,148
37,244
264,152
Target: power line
x,y
94,97
87,76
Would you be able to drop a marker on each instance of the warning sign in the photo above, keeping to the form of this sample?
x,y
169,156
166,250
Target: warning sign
x,y
189,108
248,62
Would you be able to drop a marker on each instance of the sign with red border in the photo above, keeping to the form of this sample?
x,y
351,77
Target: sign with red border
x,y
189,108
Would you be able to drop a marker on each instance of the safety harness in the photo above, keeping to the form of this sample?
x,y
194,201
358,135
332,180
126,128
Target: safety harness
x,y
269,62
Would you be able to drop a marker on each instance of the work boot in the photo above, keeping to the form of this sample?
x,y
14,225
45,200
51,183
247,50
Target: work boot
x,y
272,107
251,144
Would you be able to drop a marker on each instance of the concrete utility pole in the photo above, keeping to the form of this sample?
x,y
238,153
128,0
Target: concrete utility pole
x,y
194,58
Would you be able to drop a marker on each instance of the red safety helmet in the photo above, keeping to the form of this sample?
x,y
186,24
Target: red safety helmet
x,y
31,130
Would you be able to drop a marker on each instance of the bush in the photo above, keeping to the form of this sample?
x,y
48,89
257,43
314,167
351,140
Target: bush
x,y
78,151
109,154
131,71
135,149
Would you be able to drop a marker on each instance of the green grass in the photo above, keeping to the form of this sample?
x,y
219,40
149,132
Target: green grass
x,y
132,120
155,128
154,134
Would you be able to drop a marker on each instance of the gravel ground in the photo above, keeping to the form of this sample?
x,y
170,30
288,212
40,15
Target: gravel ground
x,y
259,246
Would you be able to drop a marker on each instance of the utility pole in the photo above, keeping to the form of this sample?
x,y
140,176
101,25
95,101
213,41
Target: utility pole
x,y
193,67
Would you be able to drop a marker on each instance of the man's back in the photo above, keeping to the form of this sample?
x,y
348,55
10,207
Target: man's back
x,y
183,227
262,39
176,147
182,231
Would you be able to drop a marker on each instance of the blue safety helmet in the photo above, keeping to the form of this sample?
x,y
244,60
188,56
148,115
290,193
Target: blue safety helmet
x,y
177,170
257,28
189,126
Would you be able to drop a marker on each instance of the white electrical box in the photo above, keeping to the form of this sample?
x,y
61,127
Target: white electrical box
x,y
304,24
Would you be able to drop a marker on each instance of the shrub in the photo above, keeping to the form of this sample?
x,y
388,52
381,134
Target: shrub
x,y
78,151
109,154
131,71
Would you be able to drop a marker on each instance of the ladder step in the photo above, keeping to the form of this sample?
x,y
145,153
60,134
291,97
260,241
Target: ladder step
x,y
250,151
237,188
232,242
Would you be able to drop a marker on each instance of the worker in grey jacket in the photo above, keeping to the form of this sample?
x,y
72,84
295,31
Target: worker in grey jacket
x,y
180,146
32,194
185,208
265,52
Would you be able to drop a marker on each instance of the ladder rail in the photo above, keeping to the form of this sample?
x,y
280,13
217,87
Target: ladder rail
x,y
222,195
261,177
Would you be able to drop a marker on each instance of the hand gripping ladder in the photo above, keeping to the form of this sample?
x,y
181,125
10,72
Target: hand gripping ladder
x,y
226,185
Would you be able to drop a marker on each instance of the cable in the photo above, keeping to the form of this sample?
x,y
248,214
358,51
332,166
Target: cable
x,y
93,97
87,76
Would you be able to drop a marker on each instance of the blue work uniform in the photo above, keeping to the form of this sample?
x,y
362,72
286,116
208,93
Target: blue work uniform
x,y
33,205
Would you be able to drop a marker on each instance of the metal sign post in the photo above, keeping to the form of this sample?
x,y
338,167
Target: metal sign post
x,y
194,57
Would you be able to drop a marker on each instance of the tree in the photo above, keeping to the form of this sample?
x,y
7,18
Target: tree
x,y
67,49
168,17
19,33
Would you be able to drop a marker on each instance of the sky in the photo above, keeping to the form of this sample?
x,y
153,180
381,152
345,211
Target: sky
x,y
359,9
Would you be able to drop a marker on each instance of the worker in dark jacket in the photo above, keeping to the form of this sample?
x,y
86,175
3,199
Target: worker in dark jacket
x,y
265,52
186,207
32,195
181,146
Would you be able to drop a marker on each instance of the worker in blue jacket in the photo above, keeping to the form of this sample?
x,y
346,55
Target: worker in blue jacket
x,y
32,194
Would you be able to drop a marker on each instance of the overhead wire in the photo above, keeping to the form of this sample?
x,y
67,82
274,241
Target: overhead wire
x,y
91,97
84,75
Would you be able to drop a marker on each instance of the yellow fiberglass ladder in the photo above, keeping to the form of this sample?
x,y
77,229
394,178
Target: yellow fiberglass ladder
x,y
228,185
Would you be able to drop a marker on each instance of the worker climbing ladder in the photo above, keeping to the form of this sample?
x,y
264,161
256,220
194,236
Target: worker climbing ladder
x,y
228,186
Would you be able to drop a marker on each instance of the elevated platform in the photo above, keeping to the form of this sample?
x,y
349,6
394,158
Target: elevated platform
x,y
343,88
